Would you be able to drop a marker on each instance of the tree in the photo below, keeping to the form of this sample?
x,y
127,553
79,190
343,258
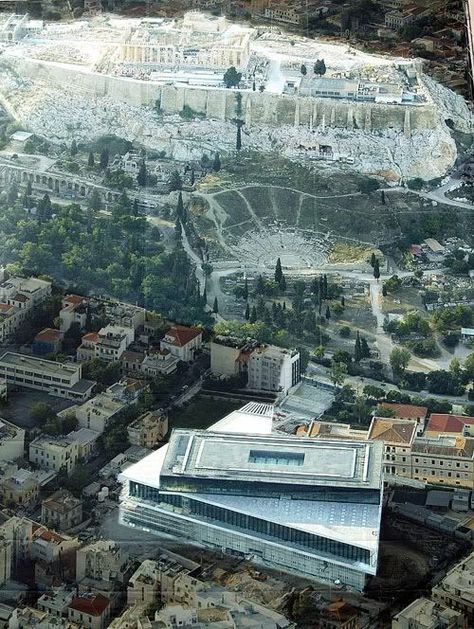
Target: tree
x,y
73,148
399,359
178,230
91,160
364,347
328,313
253,315
338,373
95,202
216,165
278,271
247,311
372,259
319,67
282,284
304,70
245,293
41,413
104,158
376,269
180,207
357,348
215,306
384,290
142,175
260,285
469,366
238,143
175,181
232,77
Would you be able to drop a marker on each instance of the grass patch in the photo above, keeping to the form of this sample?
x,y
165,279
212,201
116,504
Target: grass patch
x,y
201,412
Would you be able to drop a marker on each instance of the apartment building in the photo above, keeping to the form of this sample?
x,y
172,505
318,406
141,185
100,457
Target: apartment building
x,y
428,614
12,441
182,342
445,460
56,602
18,297
90,610
108,344
73,311
400,18
230,355
149,429
101,561
273,369
397,436
96,413
5,559
61,511
48,341
144,584
57,379
20,487
54,453
456,589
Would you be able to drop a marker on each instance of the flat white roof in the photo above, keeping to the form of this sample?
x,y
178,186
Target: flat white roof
x,y
253,419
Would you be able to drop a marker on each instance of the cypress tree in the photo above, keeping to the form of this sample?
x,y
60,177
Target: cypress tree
x,y
238,143
282,284
278,271
372,260
246,290
376,269
328,313
253,315
215,307
247,311
364,348
357,348
91,160
216,166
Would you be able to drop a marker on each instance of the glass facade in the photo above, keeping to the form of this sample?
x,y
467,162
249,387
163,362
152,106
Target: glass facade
x,y
269,489
256,526
268,457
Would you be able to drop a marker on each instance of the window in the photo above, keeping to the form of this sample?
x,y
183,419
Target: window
x,y
270,457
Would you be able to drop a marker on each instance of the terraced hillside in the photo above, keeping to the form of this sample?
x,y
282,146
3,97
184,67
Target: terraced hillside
x,y
288,208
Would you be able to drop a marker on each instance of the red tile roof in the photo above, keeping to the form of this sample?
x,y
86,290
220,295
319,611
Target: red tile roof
x,y
93,337
394,431
181,335
20,297
442,422
48,335
406,411
75,300
94,605
5,307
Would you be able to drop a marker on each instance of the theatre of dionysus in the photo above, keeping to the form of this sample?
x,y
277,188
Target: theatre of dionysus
x,y
136,77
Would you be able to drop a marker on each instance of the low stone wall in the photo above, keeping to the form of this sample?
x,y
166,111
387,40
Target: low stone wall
x,y
222,104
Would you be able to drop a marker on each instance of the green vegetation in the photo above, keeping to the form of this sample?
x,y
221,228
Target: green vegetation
x,y
201,412
121,256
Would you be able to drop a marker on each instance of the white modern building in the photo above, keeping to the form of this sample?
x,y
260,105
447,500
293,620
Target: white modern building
x,y
57,379
273,369
297,504
12,441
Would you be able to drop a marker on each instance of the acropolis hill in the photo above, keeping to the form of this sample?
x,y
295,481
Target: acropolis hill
x,y
137,77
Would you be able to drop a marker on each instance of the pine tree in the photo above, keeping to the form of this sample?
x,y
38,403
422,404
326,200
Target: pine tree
x,y
216,166
253,315
383,197
247,311
191,181
91,160
215,306
142,175
303,69
282,284
343,301
328,313
73,148
238,143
